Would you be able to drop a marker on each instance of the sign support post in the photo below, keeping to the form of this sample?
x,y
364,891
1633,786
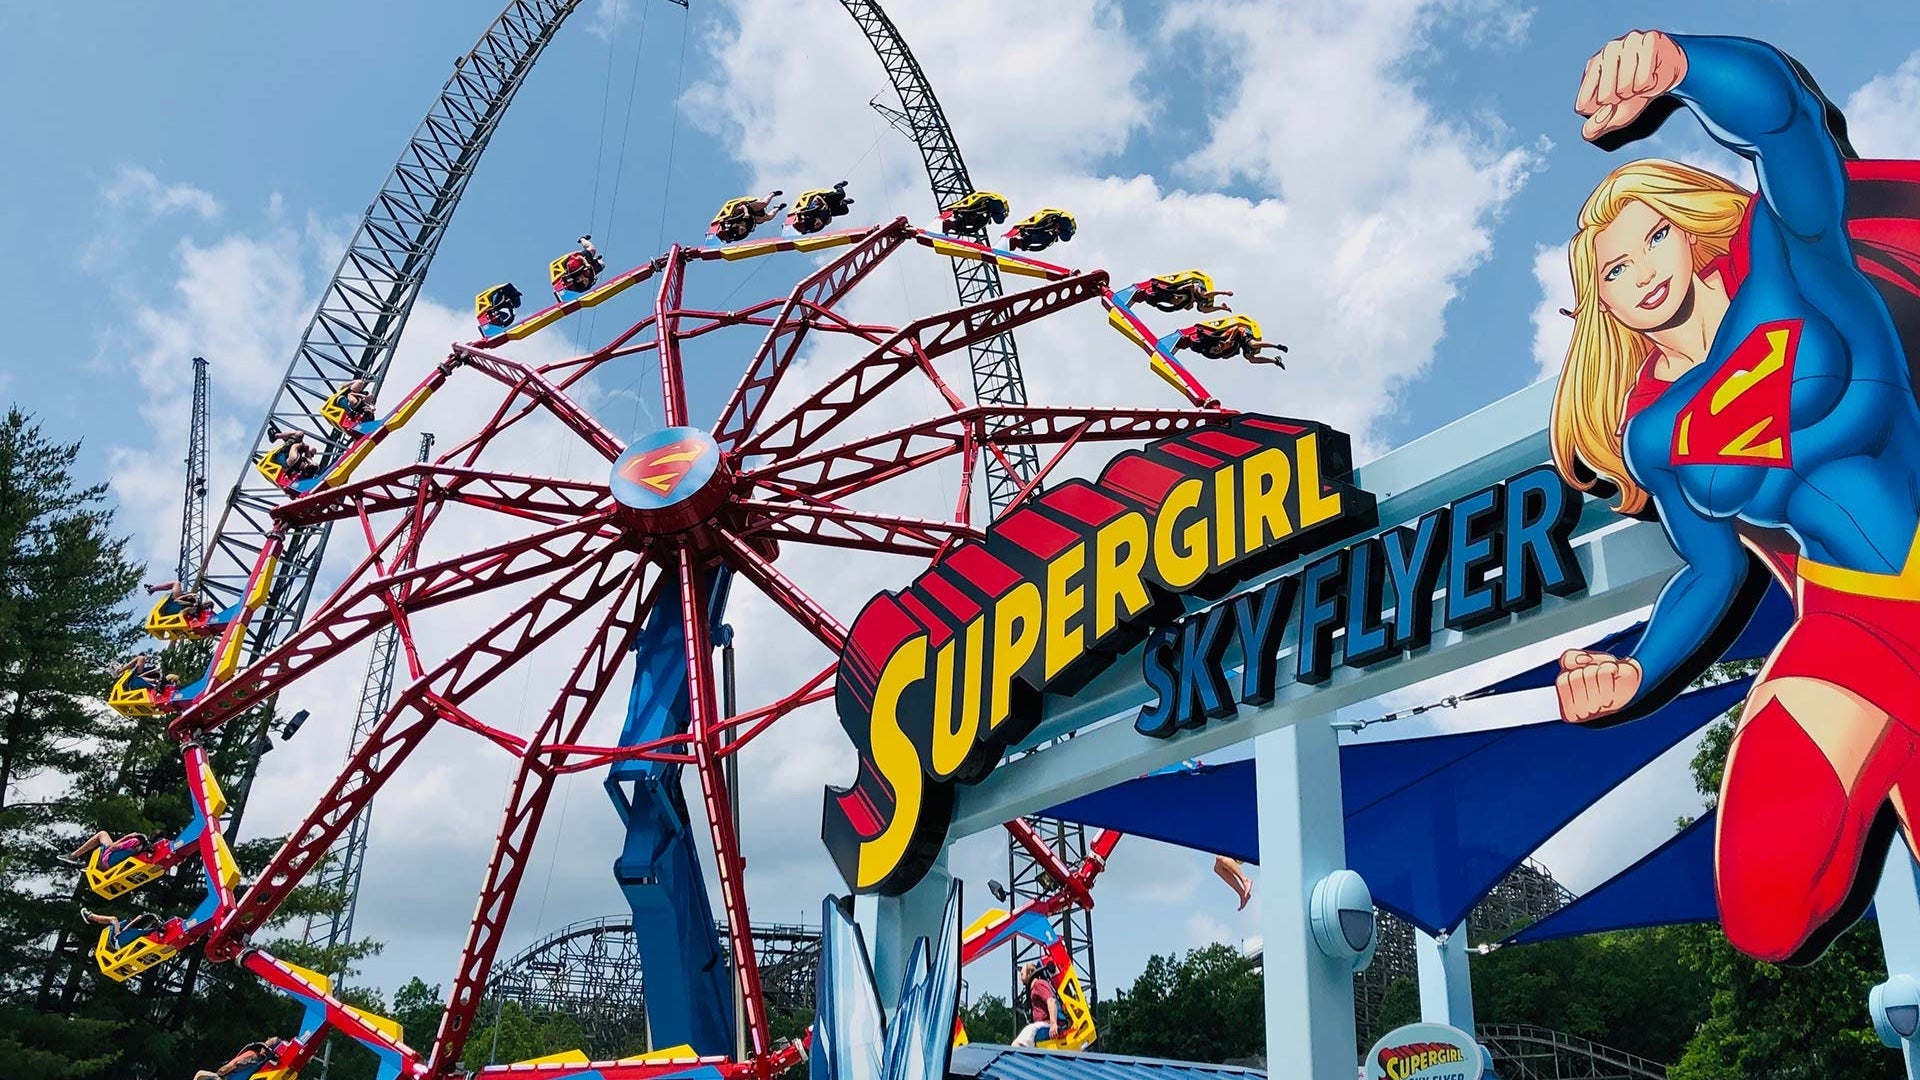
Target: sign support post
x,y
1309,995
1446,986
893,923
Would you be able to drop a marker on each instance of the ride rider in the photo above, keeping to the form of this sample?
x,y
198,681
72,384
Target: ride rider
x,y
111,850
122,932
248,1060
357,399
143,673
182,601
1221,340
302,460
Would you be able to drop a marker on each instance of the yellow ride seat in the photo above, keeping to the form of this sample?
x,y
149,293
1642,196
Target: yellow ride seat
x,y
273,465
1079,1031
173,624
1187,277
1228,324
731,207
140,954
137,702
122,877
335,410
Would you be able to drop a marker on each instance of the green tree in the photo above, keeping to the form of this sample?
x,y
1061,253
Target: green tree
x,y
511,1033
69,767
1204,1006
64,577
1633,989
989,1019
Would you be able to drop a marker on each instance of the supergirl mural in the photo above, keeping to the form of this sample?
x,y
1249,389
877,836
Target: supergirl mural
x,y
1740,370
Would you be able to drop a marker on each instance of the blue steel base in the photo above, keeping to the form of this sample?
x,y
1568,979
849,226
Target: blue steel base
x,y
685,964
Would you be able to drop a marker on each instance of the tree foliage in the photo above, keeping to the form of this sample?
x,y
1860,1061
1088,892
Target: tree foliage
x,y
70,767
989,1019
1205,1006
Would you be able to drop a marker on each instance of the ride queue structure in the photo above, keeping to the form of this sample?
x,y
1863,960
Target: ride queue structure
x,y
1484,553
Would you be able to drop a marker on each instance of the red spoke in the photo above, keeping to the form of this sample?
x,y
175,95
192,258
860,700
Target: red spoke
x,y
509,493
832,525
813,618
352,614
838,471
666,314
920,342
744,727
524,380
526,805
400,730
702,722
809,301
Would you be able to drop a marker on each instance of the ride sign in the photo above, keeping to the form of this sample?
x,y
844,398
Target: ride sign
x,y
1425,1052
938,679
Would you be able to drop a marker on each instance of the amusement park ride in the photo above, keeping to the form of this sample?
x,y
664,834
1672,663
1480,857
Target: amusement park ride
x,y
650,554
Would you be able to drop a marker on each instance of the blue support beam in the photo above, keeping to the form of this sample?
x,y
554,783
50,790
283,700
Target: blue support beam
x,y
684,962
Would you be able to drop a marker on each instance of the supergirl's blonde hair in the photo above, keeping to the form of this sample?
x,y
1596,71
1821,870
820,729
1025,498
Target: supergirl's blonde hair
x,y
1605,356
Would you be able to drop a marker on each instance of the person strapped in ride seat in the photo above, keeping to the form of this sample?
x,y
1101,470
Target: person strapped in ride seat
x,y
1042,1006
248,1061
123,932
111,850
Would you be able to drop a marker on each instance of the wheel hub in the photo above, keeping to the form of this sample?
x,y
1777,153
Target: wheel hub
x,y
671,481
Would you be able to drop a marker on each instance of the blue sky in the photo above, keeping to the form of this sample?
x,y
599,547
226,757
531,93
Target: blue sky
x,y
1375,179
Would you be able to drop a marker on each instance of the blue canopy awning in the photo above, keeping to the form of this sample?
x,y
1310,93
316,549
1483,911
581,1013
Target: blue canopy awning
x,y
1672,884
1432,823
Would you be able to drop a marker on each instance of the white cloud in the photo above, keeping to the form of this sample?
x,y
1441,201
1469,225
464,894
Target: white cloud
x,y
141,192
1349,250
608,16
1552,331
1880,114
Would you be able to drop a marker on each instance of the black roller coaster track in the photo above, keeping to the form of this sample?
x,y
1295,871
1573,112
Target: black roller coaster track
x,y
996,380
996,362
353,332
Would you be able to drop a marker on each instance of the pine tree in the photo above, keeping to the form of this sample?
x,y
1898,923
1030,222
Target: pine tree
x,y
68,767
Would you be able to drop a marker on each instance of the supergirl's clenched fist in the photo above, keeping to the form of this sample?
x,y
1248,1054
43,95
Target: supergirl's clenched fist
x,y
1594,684
1625,77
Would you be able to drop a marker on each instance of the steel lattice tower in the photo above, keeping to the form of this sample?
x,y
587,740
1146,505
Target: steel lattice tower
x,y
995,362
193,503
353,333
997,380
1027,880
341,872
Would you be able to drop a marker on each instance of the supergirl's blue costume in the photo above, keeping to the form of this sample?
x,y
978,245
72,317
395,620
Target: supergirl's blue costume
x,y
1798,438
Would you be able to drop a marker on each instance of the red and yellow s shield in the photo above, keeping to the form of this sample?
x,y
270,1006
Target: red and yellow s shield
x,y
661,469
1742,415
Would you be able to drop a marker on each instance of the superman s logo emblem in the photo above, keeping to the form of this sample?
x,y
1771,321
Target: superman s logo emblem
x,y
661,470
1742,415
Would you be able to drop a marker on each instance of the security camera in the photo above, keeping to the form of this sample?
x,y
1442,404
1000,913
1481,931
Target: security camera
x,y
1895,1006
1341,912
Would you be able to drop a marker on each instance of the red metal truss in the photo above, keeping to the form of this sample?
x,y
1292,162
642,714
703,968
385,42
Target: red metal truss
x,y
838,471
666,321
526,805
782,482
703,722
833,525
785,595
524,380
916,344
810,300
359,608
400,730
537,497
